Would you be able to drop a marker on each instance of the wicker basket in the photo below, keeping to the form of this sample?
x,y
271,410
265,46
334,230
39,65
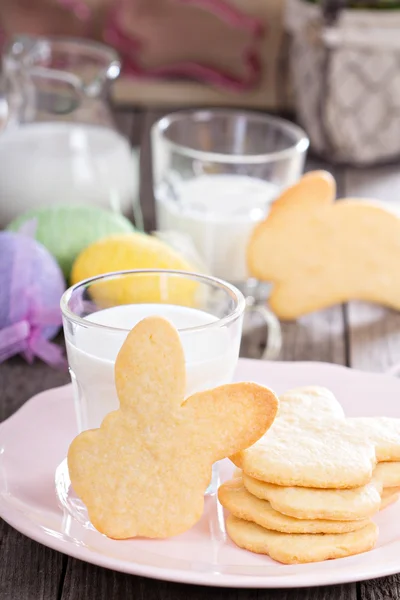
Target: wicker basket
x,y
345,69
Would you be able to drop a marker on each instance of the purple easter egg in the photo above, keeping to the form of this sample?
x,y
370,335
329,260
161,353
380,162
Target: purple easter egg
x,y
31,285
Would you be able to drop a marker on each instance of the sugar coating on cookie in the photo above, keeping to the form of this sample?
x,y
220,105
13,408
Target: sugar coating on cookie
x,y
388,474
384,432
315,401
389,497
145,470
240,503
313,503
298,548
312,444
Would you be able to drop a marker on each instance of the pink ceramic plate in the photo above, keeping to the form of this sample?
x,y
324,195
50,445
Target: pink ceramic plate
x,y
35,440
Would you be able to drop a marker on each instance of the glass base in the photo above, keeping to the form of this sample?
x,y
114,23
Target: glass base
x,y
67,498
70,502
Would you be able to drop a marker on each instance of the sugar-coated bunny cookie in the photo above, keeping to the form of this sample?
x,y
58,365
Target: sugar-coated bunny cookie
x,y
239,502
330,504
145,470
314,503
312,445
318,253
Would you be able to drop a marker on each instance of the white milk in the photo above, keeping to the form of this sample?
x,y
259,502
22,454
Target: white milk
x,y
211,355
219,213
53,163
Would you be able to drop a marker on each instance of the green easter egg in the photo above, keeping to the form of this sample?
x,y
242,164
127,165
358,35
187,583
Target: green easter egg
x,y
67,230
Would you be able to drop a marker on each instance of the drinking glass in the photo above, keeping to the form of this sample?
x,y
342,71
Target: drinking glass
x,y
99,313
215,174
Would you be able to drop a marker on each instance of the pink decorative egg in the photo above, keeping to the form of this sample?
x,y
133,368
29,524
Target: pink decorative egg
x,y
31,285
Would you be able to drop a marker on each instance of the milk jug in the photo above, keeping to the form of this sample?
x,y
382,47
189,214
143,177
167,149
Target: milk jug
x,y
58,140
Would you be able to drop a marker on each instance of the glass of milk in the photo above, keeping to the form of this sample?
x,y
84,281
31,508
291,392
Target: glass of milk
x,y
98,315
58,140
216,173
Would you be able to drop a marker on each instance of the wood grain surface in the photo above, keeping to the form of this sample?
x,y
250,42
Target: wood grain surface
x,y
358,335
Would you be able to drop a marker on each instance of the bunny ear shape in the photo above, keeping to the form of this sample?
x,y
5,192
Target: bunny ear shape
x,y
150,368
230,418
269,255
316,188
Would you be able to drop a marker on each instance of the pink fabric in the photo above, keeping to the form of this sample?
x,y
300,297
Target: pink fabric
x,y
26,337
129,47
124,44
30,291
80,9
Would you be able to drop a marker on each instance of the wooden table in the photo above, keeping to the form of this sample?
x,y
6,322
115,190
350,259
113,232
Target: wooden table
x,y
355,334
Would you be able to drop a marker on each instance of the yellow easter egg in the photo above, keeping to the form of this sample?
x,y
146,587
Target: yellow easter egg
x,y
122,252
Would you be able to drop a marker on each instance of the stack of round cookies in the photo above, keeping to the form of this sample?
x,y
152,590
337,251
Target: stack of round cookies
x,y
308,489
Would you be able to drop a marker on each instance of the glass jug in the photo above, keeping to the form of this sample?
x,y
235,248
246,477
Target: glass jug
x,y
58,140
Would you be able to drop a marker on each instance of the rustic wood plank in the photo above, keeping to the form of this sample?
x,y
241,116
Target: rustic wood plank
x,y
20,381
28,570
374,332
386,588
124,120
317,337
374,337
336,592
129,123
86,582
146,179
381,183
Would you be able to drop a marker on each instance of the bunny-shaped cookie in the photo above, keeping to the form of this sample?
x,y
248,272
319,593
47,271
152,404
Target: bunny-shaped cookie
x,y
318,253
145,470
312,444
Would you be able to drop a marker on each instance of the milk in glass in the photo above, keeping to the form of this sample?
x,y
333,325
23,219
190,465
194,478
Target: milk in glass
x,y
218,212
210,355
